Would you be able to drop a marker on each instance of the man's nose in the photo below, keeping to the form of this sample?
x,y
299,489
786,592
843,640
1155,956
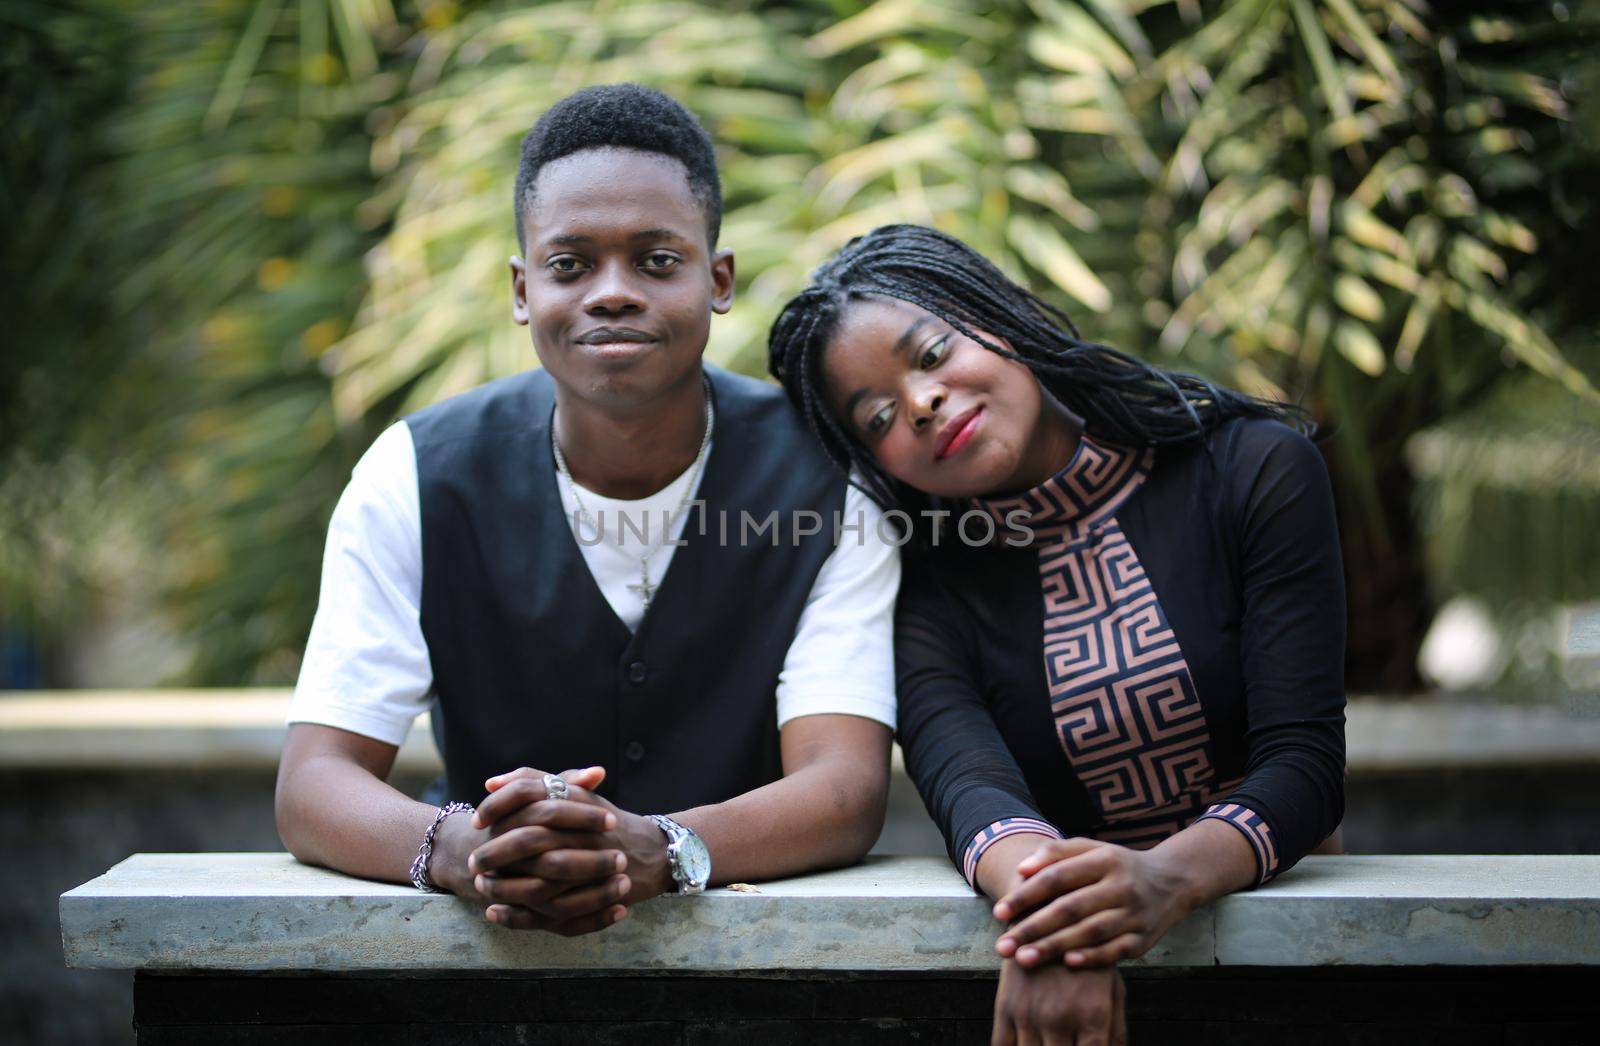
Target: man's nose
x,y
613,291
926,399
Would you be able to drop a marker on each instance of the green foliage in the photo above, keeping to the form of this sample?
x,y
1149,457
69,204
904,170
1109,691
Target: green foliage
x,y
61,71
1340,186
1347,212
1511,498
53,210
242,166
1376,206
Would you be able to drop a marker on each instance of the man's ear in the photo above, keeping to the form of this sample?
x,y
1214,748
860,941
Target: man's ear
x,y
721,281
519,291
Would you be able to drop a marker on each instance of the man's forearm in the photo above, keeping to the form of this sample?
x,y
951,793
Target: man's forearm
x,y
336,814
822,816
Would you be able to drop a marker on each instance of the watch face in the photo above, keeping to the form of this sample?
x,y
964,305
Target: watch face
x,y
696,861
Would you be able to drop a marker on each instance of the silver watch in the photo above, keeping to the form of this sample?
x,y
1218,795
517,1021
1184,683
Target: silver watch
x,y
687,857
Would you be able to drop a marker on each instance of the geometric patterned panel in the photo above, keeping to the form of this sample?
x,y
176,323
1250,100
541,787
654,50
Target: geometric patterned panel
x,y
1126,712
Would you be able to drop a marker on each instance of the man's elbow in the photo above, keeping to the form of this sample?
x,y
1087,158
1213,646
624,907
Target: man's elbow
x,y
859,807
289,815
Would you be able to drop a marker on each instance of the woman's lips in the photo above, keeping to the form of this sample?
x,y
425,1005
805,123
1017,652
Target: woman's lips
x,y
958,435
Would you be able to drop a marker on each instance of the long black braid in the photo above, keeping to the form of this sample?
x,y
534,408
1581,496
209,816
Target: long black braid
x,y
1121,399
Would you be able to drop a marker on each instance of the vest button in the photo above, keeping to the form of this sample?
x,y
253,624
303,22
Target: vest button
x,y
638,673
634,751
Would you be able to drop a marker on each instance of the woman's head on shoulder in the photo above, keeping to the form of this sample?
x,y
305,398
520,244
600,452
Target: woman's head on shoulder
x,y
926,370
936,407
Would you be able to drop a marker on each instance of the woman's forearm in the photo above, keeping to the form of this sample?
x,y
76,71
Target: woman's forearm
x,y
1207,860
997,873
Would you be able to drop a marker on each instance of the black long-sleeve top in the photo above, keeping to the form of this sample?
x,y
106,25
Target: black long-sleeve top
x,y
1169,646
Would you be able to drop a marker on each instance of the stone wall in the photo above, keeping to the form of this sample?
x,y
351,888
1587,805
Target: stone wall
x,y
76,825
78,796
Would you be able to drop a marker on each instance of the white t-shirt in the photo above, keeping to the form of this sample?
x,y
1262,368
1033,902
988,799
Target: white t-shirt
x,y
366,667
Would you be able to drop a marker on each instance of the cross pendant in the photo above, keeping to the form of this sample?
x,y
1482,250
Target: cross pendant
x,y
644,588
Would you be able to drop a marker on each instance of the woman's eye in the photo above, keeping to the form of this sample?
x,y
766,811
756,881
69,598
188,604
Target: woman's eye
x,y
879,420
934,353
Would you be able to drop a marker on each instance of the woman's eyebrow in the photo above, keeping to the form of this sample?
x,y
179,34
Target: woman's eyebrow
x,y
904,341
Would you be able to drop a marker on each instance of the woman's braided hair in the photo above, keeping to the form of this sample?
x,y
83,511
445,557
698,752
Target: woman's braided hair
x,y
1121,399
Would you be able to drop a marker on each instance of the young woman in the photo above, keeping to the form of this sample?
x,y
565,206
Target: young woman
x,y
1120,645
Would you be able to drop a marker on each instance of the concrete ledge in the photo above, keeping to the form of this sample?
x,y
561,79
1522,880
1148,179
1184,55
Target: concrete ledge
x,y
243,729
1439,733
1582,656
266,912
200,729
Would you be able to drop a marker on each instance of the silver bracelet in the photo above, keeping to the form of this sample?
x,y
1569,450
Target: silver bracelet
x,y
419,868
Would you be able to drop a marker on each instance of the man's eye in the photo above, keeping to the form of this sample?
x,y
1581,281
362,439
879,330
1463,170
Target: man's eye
x,y
879,420
565,263
660,262
934,353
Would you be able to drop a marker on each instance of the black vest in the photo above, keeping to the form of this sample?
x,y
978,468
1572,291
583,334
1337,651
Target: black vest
x,y
531,667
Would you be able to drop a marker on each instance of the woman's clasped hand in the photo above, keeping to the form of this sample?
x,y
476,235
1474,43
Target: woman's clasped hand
x,y
1089,903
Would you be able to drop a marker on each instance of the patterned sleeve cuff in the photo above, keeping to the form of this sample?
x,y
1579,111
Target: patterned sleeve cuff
x,y
987,837
1254,828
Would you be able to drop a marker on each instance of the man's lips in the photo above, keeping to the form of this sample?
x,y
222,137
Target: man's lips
x,y
613,335
956,434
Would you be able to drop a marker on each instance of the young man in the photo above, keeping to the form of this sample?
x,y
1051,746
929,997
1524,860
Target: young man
x,y
578,564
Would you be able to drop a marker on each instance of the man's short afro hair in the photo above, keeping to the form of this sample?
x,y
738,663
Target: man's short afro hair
x,y
622,116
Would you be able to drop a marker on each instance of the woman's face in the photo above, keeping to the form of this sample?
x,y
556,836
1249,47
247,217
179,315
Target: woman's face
x,y
938,410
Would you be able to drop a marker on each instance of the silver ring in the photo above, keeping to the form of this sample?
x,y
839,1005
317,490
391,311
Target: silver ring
x,y
554,787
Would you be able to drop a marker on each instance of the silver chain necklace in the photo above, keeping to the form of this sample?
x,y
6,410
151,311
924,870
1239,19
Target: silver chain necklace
x,y
644,588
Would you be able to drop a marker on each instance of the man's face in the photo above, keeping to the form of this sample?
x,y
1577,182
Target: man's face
x,y
619,283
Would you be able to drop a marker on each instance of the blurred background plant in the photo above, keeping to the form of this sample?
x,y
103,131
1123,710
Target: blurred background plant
x,y
251,233
73,522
